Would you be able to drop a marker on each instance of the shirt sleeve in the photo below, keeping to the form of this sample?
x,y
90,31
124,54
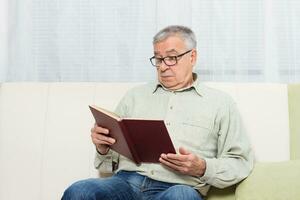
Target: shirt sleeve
x,y
109,163
106,163
234,160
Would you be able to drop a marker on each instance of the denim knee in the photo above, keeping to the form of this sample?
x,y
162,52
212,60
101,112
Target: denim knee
x,y
84,189
180,192
112,188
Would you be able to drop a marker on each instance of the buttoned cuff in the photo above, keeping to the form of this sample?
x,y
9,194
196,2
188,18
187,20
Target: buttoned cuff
x,y
101,159
210,171
106,163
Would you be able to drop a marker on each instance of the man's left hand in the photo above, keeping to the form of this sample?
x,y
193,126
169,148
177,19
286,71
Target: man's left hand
x,y
185,162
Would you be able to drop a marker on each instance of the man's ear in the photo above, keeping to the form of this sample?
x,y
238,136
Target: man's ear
x,y
194,57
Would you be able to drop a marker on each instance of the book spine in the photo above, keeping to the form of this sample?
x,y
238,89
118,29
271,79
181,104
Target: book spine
x,y
130,144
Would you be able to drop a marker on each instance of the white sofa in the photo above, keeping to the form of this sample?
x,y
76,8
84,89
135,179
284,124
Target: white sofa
x,y
45,140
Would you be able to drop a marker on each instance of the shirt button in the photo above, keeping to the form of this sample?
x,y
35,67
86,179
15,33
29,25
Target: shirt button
x,y
152,172
171,107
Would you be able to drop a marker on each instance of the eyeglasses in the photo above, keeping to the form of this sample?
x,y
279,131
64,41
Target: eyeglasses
x,y
168,60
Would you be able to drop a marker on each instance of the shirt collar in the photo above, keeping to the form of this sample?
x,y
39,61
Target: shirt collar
x,y
197,86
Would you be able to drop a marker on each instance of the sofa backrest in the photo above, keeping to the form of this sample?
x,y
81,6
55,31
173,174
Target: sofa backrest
x,y
45,140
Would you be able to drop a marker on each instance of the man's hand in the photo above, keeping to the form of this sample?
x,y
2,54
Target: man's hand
x,y
185,162
101,139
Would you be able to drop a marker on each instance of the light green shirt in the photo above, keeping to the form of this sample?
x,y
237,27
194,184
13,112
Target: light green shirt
x,y
203,120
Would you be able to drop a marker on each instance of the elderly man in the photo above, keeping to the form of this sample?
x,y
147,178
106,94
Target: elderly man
x,y
204,124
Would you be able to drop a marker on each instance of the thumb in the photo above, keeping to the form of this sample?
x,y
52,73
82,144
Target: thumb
x,y
183,151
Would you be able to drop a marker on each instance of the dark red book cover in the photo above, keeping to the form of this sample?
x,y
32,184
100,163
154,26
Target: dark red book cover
x,y
140,140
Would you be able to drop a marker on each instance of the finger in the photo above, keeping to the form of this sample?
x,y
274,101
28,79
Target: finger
x,y
101,142
181,169
107,139
176,157
103,138
97,141
99,129
184,151
170,164
175,162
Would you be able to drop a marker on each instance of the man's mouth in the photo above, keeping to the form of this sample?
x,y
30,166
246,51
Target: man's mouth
x,y
165,75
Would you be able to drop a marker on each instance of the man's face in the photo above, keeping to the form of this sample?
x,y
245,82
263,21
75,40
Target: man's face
x,y
180,75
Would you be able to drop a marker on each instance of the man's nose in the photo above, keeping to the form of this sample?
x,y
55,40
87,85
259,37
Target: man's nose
x,y
163,66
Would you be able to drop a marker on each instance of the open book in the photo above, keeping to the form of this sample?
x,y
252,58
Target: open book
x,y
137,139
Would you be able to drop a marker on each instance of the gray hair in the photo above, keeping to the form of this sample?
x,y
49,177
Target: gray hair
x,y
185,33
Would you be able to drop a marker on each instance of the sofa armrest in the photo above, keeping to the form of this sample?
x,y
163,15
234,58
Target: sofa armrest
x,y
271,181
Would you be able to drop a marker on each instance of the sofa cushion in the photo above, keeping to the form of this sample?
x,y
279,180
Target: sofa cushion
x,y
271,181
221,194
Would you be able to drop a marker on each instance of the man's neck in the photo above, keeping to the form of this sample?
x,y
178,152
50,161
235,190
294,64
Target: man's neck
x,y
184,85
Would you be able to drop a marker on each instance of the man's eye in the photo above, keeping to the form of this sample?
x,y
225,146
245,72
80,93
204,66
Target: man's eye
x,y
158,60
170,58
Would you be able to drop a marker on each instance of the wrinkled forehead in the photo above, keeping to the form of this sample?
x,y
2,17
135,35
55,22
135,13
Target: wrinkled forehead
x,y
168,51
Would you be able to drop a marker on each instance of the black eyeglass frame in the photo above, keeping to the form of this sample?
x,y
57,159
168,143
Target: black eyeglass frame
x,y
163,59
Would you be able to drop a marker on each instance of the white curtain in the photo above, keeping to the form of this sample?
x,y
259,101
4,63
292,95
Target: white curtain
x,y
3,39
104,40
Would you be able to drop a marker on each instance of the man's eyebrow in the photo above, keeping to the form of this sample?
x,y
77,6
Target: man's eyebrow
x,y
172,51
168,51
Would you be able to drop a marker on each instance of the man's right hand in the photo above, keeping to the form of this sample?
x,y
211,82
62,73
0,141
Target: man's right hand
x,y
101,139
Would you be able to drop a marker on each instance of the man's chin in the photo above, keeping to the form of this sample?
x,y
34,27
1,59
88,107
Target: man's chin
x,y
168,84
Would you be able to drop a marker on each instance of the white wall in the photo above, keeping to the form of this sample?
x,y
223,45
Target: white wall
x,y
45,141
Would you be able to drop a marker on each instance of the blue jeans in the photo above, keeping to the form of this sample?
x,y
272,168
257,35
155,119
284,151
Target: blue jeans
x,y
128,186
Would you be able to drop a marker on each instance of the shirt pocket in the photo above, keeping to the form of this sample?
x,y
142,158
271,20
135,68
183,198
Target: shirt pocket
x,y
195,132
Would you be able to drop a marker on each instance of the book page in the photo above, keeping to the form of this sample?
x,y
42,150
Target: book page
x,y
109,113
